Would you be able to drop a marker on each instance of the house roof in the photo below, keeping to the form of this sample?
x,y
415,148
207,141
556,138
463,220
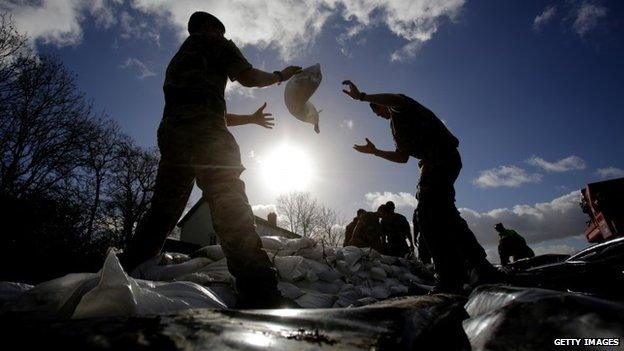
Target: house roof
x,y
189,214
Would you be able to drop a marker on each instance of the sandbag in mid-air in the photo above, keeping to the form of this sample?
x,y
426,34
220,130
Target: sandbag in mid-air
x,y
298,91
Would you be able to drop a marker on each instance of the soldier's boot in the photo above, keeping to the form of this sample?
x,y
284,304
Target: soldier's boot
x,y
262,294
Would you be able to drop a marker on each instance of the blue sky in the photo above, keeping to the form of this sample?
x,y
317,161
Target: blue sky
x,y
531,88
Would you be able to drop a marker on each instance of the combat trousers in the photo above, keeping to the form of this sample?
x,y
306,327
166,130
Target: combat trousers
x,y
450,241
423,251
203,150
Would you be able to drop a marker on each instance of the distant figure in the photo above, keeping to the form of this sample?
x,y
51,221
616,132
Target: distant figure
x,y
350,228
424,256
367,232
395,229
196,146
419,133
511,244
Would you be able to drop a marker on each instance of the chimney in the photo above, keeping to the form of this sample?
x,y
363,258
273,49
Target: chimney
x,y
272,218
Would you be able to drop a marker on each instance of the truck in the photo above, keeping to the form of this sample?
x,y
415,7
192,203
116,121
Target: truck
x,y
603,202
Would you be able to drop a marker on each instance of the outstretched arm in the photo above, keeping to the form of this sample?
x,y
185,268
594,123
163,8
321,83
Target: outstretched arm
x,y
393,156
259,117
254,77
384,99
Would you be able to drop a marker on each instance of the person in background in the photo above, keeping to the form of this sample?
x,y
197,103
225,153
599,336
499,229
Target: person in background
x,y
350,228
395,230
367,231
511,245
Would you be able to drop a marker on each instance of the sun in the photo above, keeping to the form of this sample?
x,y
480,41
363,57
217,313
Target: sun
x,y
287,168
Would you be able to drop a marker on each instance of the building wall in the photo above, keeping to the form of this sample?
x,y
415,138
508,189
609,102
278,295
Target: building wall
x,y
198,228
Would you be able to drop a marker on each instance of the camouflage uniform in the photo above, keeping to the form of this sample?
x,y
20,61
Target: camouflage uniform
x,y
418,132
423,251
349,232
396,229
195,145
367,232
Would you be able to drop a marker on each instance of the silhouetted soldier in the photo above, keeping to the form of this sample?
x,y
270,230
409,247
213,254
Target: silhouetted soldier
x,y
511,244
367,232
419,133
195,145
396,229
424,256
350,228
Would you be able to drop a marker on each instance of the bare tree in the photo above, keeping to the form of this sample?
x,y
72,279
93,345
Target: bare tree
x,y
43,127
129,191
300,212
304,215
330,229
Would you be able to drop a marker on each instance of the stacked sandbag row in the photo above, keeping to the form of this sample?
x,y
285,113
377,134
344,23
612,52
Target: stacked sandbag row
x,y
313,275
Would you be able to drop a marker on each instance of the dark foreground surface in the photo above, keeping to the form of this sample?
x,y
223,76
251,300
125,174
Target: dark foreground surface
x,y
429,322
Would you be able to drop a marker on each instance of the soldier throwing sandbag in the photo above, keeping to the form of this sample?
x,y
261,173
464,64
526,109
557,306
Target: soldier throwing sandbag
x,y
419,133
195,145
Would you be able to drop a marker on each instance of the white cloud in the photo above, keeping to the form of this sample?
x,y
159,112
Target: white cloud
x,y
555,249
263,210
402,199
347,124
291,26
408,51
507,176
559,218
59,21
587,17
288,26
610,172
544,17
142,69
235,89
566,164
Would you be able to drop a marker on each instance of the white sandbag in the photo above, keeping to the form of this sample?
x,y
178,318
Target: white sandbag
x,y
289,268
218,271
347,297
316,300
170,272
378,273
10,290
119,295
174,258
320,286
212,252
290,290
49,298
273,243
398,290
350,254
313,253
299,90
300,244
329,276
380,292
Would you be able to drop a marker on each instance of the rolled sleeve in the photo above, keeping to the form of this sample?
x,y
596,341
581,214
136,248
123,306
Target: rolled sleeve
x,y
235,61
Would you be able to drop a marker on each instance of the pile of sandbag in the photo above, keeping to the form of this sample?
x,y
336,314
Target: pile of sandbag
x,y
110,292
313,275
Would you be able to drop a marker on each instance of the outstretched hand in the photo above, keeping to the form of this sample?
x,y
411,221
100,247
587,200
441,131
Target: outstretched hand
x,y
369,148
353,91
290,71
262,119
